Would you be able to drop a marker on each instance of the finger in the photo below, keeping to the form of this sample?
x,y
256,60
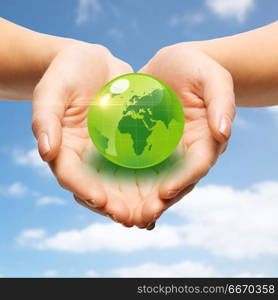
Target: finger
x,y
116,206
147,183
89,205
48,110
223,148
119,67
199,158
154,207
143,69
126,181
157,70
151,226
177,198
72,175
151,210
220,101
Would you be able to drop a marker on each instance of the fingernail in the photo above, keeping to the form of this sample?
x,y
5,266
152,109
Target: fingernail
x,y
43,144
151,226
225,126
171,194
113,217
90,204
156,216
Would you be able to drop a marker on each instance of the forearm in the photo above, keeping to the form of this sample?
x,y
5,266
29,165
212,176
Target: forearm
x,y
24,57
252,60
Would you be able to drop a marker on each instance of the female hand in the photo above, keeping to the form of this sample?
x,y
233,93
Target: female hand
x,y
60,105
205,89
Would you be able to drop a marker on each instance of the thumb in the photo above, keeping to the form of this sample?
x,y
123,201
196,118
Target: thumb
x,y
48,111
118,67
144,69
220,101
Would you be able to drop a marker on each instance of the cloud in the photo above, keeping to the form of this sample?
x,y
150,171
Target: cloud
x,y
50,273
30,237
30,158
185,268
87,10
16,189
273,109
181,269
187,19
247,274
91,273
116,33
230,222
47,200
231,9
102,236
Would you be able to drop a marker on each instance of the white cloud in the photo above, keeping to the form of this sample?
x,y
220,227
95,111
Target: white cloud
x,y
273,109
116,33
231,9
47,200
50,273
186,19
30,237
235,223
232,223
87,9
31,158
91,273
101,236
247,274
16,189
181,269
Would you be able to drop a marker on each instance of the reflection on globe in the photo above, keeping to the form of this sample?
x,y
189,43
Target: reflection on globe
x,y
136,121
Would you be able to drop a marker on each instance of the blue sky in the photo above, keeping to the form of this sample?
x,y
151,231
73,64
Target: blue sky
x,y
226,227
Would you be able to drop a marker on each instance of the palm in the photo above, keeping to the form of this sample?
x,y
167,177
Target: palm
x,y
132,197
91,178
133,200
197,152
186,72
89,69
197,138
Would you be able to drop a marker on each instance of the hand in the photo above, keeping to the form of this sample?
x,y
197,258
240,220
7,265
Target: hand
x,y
206,91
60,104
138,202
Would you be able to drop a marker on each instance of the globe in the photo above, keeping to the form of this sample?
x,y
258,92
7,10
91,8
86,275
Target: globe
x,y
136,121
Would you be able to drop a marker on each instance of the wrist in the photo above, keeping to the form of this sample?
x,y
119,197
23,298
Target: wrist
x,y
51,46
24,57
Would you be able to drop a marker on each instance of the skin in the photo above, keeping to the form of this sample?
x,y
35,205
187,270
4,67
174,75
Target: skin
x,y
252,60
62,75
25,56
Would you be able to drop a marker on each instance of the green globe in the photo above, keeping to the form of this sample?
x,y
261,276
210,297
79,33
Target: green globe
x,y
136,121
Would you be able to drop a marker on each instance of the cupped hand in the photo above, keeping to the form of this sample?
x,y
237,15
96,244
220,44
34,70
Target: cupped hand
x,y
60,103
205,89
61,100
